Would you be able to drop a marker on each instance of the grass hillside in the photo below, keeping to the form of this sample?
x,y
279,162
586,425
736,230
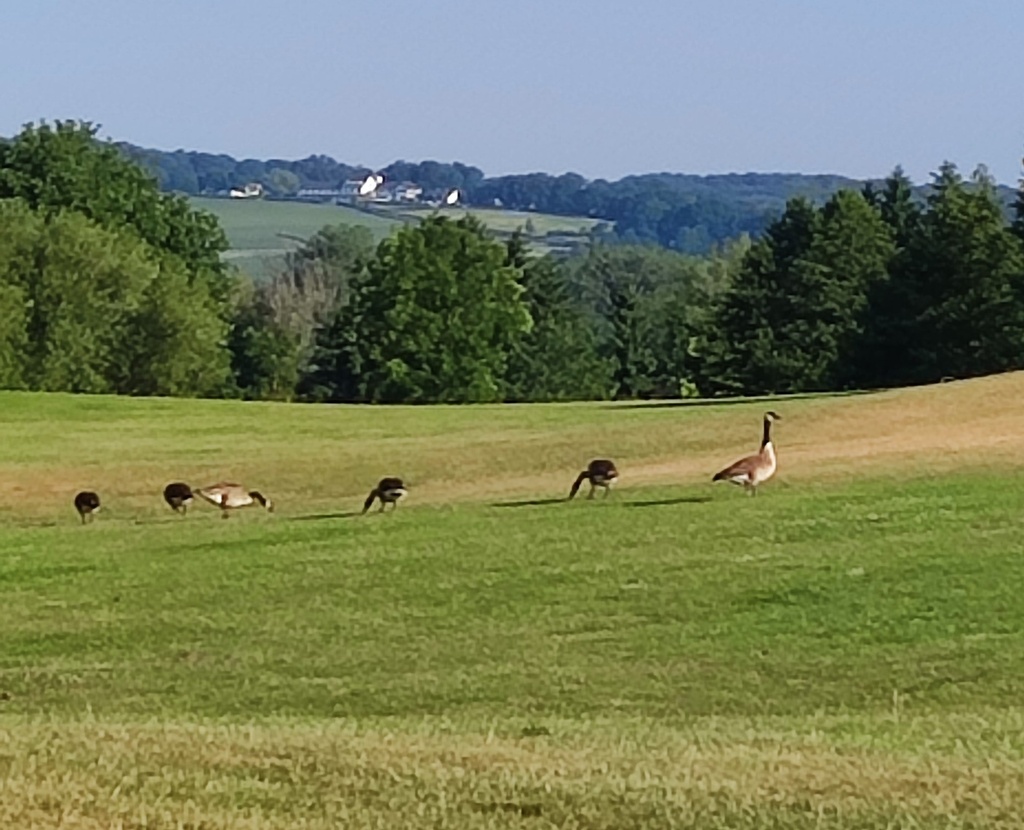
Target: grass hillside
x,y
261,232
846,650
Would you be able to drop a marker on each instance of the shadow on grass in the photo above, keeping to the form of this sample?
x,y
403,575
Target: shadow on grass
x,y
316,517
665,502
529,503
688,403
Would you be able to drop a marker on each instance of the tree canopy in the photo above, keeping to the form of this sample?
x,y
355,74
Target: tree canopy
x,y
430,319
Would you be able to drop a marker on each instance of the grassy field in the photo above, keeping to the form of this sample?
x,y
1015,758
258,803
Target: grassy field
x,y
261,232
844,651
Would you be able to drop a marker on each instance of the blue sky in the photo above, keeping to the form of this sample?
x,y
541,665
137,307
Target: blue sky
x,y
599,87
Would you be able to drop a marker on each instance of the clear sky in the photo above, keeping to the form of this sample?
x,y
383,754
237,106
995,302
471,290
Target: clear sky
x,y
601,87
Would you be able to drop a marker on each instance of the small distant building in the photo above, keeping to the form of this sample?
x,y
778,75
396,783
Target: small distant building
x,y
406,192
355,189
253,190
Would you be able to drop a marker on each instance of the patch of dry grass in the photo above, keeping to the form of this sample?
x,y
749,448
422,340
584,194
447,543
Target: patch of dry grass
x,y
709,774
314,458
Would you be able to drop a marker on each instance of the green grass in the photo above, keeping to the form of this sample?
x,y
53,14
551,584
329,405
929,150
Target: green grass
x,y
261,232
845,650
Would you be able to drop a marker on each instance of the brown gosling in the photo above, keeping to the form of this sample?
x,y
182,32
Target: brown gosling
x,y
600,473
87,504
228,496
178,496
756,469
388,491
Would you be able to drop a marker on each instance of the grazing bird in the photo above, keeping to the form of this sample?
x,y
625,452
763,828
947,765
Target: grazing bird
x,y
228,496
389,491
179,496
754,469
87,503
600,473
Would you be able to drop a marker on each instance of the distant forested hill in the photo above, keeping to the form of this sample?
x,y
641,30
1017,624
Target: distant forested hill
x,y
683,212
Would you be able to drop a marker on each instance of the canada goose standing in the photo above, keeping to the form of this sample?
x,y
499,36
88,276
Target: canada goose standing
x,y
178,495
389,491
228,496
87,503
754,469
600,473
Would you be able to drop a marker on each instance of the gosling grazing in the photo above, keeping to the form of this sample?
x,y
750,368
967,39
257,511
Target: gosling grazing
x,y
600,473
388,491
87,504
754,469
228,496
178,496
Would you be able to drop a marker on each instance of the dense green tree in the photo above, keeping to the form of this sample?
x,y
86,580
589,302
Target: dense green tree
x,y
795,313
89,309
642,299
274,322
557,359
266,358
64,167
953,307
744,341
847,259
897,205
432,318
1018,209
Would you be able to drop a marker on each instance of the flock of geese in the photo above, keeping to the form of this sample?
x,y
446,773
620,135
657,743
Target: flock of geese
x,y
748,472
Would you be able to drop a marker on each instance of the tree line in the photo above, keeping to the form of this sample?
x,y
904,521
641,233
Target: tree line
x,y
686,213
109,285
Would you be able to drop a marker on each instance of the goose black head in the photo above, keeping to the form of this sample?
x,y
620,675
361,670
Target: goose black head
x,y
264,502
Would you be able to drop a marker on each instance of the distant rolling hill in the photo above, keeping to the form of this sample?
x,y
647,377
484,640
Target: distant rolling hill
x,y
262,232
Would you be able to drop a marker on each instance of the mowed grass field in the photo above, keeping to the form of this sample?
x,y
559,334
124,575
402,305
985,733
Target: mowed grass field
x,y
845,650
262,232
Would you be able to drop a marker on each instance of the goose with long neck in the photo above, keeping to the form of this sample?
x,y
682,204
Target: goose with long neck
x,y
600,472
756,469
389,491
229,496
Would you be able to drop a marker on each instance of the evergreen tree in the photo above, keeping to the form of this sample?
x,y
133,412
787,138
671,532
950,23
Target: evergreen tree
x,y
744,341
897,206
1018,207
628,289
557,358
796,310
954,306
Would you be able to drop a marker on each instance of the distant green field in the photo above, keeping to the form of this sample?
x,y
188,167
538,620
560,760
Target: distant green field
x,y
261,232
846,650
506,221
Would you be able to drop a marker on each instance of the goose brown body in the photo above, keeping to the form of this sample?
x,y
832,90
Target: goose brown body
x,y
229,496
178,496
754,470
601,472
87,504
388,491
